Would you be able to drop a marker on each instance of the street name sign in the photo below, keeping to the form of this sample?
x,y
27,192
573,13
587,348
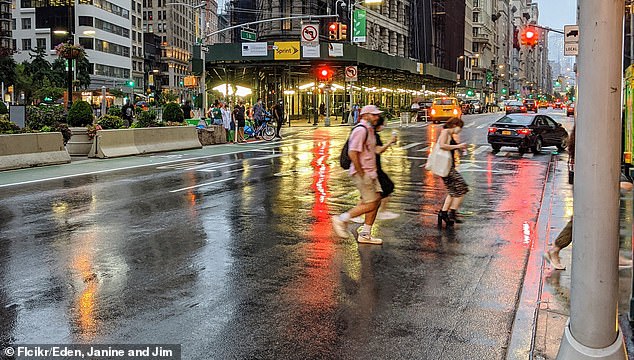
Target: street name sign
x,y
352,73
310,35
254,49
247,35
286,50
571,40
359,26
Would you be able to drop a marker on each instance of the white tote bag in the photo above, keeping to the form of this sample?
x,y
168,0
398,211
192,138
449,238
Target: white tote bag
x,y
439,162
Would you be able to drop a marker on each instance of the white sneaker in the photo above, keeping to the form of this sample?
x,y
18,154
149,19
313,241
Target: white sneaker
x,y
358,220
340,227
387,215
366,238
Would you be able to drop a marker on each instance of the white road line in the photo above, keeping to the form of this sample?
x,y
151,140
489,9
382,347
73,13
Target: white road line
x,y
409,146
482,126
205,184
426,148
469,125
481,149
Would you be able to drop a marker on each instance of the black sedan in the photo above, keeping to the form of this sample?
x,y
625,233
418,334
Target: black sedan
x,y
527,132
513,107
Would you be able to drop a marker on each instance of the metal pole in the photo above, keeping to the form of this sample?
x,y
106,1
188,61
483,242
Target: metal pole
x,y
631,32
103,100
593,331
327,118
2,99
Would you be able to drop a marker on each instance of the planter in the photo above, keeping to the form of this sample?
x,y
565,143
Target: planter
x,y
214,134
79,143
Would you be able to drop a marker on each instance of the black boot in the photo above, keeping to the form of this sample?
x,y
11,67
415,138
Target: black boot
x,y
443,216
454,218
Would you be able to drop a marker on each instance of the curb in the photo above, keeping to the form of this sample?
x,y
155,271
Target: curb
x,y
523,331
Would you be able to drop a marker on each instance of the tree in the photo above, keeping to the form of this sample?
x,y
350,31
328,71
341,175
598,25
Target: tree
x,y
83,72
23,82
48,90
7,70
58,73
39,68
571,93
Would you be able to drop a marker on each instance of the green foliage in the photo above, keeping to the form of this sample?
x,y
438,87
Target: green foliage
x,y
172,112
47,90
80,114
115,111
117,93
83,72
7,127
7,70
3,108
169,96
38,117
146,119
58,73
110,122
39,68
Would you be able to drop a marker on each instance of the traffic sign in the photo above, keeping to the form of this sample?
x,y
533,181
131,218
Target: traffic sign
x,y
310,35
352,73
286,50
571,34
571,49
248,35
359,26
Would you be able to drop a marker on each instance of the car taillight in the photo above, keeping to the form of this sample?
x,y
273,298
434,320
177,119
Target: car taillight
x,y
508,108
455,111
523,107
433,111
492,130
524,131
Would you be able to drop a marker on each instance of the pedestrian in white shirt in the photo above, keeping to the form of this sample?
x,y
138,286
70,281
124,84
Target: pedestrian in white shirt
x,y
226,119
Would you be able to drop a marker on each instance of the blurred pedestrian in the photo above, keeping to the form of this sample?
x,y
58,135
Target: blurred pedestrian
x,y
187,110
258,112
239,117
456,186
363,170
226,120
278,115
216,113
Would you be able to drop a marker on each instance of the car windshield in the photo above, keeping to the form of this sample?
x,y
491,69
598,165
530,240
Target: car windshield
x,y
444,102
516,120
474,101
515,103
529,101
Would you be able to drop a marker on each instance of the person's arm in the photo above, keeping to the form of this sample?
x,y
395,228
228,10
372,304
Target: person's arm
x,y
445,144
381,149
354,158
355,146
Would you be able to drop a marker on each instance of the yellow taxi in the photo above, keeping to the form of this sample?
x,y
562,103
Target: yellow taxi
x,y
444,108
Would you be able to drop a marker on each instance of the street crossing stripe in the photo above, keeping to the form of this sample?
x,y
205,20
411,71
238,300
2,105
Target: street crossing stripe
x,y
201,185
411,145
481,149
482,126
469,125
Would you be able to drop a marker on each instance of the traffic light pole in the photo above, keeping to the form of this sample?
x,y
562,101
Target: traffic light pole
x,y
592,331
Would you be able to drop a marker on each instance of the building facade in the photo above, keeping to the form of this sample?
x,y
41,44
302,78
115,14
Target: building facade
x,y
5,27
503,45
485,45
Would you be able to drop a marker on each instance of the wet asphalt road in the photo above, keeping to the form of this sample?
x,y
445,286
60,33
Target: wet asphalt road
x,y
233,256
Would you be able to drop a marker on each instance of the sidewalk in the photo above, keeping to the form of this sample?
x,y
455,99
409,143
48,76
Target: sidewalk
x,y
548,315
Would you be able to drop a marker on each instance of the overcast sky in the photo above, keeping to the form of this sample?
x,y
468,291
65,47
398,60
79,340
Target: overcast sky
x,y
557,13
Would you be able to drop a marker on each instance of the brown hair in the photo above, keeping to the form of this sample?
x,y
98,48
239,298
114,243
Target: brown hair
x,y
453,122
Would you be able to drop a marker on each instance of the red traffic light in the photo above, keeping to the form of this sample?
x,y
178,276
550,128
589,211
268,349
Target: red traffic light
x,y
333,27
529,34
333,31
325,73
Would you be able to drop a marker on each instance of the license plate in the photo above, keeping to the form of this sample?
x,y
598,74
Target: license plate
x,y
506,132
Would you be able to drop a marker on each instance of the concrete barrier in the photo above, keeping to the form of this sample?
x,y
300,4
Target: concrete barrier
x,y
125,142
37,149
214,134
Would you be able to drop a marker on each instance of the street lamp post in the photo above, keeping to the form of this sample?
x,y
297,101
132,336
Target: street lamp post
x,y
457,61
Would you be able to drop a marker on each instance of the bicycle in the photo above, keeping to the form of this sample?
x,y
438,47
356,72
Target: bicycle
x,y
265,130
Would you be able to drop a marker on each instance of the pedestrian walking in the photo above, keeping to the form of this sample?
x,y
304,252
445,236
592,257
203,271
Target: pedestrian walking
x,y
226,120
187,110
238,115
455,184
363,171
355,114
258,112
216,113
278,115
387,185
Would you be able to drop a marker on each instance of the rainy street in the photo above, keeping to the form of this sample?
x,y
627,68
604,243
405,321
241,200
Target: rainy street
x,y
229,251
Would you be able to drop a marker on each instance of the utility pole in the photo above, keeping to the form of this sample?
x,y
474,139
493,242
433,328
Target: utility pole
x,y
591,332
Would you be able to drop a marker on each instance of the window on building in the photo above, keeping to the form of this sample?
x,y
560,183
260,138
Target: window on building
x,y
14,44
133,5
476,3
41,43
139,37
160,15
160,27
86,42
476,31
149,3
26,23
13,26
150,28
475,47
145,15
85,21
150,15
26,44
476,17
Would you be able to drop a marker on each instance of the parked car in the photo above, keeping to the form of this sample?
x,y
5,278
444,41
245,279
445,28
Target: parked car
x,y
513,107
531,105
477,106
444,108
570,109
526,132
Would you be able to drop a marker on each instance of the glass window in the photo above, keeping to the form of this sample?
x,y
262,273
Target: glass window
x,y
41,43
26,23
14,21
85,21
514,119
160,15
86,42
476,31
133,5
476,17
26,44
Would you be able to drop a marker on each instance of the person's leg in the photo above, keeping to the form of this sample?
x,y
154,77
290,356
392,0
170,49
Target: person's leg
x,y
563,240
447,204
279,127
456,202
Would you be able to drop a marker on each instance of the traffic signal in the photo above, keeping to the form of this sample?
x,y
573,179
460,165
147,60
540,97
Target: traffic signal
x,y
130,83
529,36
343,31
333,31
324,73
470,92
504,91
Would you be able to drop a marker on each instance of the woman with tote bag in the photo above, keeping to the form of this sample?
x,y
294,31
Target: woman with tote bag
x,y
439,165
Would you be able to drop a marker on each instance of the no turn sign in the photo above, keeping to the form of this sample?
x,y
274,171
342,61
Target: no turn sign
x,y
351,73
310,35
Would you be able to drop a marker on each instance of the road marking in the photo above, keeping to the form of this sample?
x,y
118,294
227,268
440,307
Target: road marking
x,y
469,125
424,149
482,126
180,166
200,185
409,146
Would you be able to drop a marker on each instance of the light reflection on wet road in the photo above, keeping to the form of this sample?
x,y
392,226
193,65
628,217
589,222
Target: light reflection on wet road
x,y
233,256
